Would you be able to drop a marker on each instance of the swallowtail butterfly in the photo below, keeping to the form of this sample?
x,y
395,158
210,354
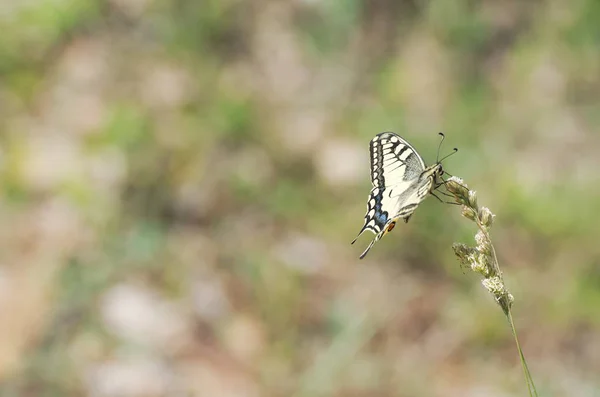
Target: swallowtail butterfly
x,y
401,181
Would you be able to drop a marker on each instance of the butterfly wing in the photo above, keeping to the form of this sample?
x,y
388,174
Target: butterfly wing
x,y
396,173
393,160
414,193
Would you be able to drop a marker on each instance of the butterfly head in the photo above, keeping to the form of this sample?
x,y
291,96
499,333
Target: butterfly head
x,y
438,171
434,172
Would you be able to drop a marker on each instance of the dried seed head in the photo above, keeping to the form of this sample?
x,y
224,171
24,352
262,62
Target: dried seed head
x,y
485,249
484,245
480,259
495,285
468,213
459,181
478,266
485,264
497,288
486,216
480,238
473,199
510,298
463,252
458,189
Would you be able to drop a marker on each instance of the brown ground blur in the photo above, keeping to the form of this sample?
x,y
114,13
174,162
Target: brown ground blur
x,y
180,181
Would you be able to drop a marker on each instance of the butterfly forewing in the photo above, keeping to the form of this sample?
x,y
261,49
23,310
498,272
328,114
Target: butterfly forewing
x,y
393,160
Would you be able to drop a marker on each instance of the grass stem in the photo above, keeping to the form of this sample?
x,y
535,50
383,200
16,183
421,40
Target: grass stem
x,y
482,259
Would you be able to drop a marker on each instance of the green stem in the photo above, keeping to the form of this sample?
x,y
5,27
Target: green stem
x,y
506,304
528,378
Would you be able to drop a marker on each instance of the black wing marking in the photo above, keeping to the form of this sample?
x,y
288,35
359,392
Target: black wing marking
x,y
376,217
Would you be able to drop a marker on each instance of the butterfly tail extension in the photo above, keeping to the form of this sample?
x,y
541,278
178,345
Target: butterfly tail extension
x,y
366,251
364,228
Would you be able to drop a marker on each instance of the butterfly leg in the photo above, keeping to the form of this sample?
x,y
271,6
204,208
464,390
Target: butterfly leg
x,y
444,202
444,182
445,194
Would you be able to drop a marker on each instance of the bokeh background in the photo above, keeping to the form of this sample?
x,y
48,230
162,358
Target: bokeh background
x,y
180,181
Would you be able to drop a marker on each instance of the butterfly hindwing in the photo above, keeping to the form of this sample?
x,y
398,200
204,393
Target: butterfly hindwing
x,y
376,217
377,220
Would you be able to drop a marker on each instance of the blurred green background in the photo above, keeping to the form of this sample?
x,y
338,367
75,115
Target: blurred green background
x,y
180,182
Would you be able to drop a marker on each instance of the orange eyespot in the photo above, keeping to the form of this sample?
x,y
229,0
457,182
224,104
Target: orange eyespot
x,y
391,226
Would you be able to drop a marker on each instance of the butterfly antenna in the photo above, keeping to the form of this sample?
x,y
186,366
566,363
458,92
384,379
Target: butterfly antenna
x,y
448,155
439,146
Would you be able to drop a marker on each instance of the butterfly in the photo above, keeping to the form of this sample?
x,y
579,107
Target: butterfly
x,y
401,181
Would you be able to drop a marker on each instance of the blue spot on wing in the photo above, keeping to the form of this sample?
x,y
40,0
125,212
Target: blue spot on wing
x,y
376,218
380,216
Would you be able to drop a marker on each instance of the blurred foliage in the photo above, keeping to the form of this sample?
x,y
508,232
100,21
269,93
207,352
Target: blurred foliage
x,y
180,181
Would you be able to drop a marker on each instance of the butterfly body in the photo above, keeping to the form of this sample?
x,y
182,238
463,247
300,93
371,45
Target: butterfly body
x,y
401,181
